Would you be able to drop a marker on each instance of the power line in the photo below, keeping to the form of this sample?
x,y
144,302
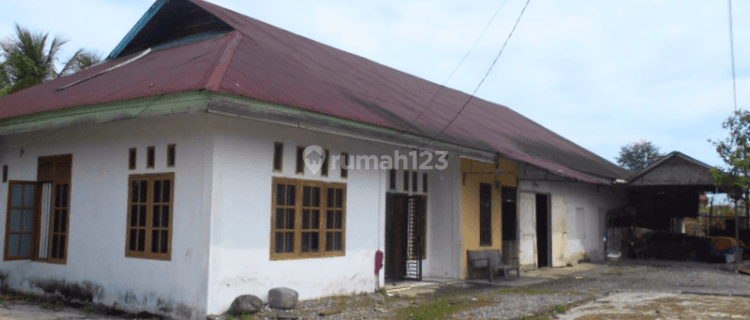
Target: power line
x,y
731,50
485,75
427,107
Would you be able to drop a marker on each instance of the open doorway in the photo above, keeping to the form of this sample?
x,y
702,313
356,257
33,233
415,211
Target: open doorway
x,y
543,235
510,223
404,236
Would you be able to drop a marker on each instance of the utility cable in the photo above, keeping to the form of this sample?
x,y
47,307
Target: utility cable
x,y
427,107
731,51
484,78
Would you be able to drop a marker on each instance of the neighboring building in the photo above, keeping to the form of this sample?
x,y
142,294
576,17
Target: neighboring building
x,y
170,178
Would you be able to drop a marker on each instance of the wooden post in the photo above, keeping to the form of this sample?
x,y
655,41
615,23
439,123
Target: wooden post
x,y
711,216
736,220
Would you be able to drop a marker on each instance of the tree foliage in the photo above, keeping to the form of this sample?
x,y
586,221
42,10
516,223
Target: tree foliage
x,y
30,58
734,176
636,156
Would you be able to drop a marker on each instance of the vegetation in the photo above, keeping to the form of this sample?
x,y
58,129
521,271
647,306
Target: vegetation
x,y
30,59
734,176
636,156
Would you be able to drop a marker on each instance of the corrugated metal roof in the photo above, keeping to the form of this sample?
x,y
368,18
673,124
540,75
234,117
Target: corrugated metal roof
x,y
271,64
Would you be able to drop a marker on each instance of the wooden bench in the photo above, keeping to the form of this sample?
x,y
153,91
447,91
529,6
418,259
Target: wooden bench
x,y
492,261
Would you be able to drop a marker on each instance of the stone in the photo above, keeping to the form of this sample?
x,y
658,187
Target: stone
x,y
282,298
246,304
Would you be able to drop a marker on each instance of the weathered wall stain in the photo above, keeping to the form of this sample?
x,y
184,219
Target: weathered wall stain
x,y
84,292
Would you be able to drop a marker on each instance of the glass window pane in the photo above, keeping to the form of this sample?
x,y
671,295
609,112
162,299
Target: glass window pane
x,y
314,242
58,195
141,240
143,191
291,193
54,246
63,220
13,240
133,216
28,196
337,244
157,191
65,195
142,216
289,242
134,191
279,243
280,194
329,199
315,224
306,196
167,196
154,241
305,219
164,241
339,220
305,242
61,252
28,220
164,216
329,241
290,219
133,237
339,198
15,220
316,197
280,218
16,195
156,217
56,222
329,219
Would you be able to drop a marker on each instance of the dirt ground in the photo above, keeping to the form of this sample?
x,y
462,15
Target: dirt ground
x,y
619,290
661,306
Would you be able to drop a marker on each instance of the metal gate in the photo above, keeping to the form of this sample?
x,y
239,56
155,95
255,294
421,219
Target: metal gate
x,y
415,237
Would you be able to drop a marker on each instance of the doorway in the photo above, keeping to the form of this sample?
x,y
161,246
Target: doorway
x,y
510,223
543,235
404,236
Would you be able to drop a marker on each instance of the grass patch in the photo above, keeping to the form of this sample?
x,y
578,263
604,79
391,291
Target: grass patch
x,y
89,309
441,308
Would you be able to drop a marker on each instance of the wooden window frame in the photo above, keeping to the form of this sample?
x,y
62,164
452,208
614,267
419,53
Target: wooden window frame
x,y
151,157
300,162
298,219
56,178
149,228
344,163
132,158
278,157
171,155
33,231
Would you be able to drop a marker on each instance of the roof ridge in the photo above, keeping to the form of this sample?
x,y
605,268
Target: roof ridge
x,y
213,77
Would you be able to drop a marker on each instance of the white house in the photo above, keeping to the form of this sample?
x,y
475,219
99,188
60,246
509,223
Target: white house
x,y
171,177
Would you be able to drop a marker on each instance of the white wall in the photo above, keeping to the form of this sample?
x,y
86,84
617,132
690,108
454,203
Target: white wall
x,y
241,215
586,230
99,191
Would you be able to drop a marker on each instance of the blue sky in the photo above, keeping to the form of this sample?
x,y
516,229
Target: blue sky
x,y
600,73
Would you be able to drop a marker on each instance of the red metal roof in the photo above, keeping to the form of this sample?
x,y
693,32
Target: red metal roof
x,y
266,63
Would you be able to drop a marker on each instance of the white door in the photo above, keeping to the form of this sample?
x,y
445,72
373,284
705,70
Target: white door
x,y
527,228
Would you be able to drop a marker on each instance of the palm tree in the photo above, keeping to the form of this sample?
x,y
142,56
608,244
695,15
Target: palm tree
x,y
30,61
